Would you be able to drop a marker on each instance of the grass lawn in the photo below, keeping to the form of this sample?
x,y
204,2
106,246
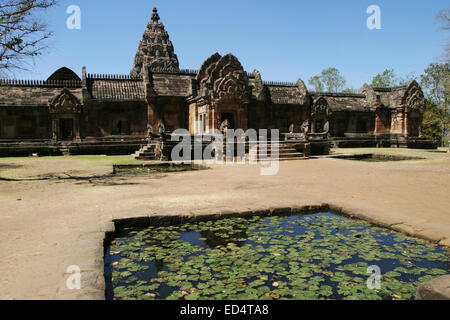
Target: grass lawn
x,y
47,167
28,167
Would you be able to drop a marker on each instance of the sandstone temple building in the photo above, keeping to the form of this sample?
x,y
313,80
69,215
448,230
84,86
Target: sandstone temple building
x,y
116,114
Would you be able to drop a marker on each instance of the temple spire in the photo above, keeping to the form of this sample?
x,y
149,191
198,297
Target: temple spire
x,y
155,49
155,15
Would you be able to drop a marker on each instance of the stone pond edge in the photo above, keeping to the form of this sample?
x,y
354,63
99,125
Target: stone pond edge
x,y
93,281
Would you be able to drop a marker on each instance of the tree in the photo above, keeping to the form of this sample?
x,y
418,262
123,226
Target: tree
x,y
407,79
333,80
435,120
330,79
350,90
436,82
22,33
316,83
443,18
436,85
385,79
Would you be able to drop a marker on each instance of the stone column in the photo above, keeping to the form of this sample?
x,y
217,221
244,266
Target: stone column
x,y
211,120
420,126
377,122
405,123
152,118
55,129
76,129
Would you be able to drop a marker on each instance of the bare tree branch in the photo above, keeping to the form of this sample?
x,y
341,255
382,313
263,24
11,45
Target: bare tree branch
x,y
443,18
22,34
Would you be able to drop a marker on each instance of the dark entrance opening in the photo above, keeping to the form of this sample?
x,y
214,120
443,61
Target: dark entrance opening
x,y
319,126
361,126
66,129
413,127
230,118
341,128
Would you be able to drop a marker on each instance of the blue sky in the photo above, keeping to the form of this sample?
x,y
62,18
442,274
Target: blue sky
x,y
284,40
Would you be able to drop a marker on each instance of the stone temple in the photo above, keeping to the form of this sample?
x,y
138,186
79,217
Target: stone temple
x,y
120,114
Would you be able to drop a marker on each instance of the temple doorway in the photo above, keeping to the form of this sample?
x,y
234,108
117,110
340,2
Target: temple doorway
x,y
66,129
230,118
414,127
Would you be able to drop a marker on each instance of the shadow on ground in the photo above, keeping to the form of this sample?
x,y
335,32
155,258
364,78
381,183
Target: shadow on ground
x,y
95,180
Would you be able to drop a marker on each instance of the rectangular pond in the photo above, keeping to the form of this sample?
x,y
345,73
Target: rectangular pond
x,y
376,157
312,256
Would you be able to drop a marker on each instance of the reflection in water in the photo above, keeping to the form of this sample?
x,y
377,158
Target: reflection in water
x,y
214,240
159,265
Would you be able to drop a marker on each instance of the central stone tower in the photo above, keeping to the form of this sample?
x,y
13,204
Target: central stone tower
x,y
155,48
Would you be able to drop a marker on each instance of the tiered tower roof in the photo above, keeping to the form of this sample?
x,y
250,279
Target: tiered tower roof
x,y
155,48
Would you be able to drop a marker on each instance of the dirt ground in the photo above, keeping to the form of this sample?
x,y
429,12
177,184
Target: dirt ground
x,y
54,212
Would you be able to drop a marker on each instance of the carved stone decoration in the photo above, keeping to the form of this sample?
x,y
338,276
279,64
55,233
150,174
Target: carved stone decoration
x,y
205,70
224,127
414,99
162,128
155,48
258,89
291,129
302,87
326,127
371,97
65,102
149,130
223,79
320,106
305,127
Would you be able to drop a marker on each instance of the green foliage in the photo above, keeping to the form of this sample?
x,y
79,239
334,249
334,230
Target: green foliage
x,y
436,84
385,79
316,83
432,124
330,79
333,80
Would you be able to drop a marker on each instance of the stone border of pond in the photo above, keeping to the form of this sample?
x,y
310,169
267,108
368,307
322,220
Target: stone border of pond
x,y
159,165
437,289
165,220
365,156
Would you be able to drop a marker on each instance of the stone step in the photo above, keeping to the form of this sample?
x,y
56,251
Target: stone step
x,y
145,153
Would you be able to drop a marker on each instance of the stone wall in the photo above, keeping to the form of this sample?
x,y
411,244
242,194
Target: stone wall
x,y
109,118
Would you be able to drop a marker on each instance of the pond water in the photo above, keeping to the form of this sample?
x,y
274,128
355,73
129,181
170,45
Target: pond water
x,y
376,158
315,256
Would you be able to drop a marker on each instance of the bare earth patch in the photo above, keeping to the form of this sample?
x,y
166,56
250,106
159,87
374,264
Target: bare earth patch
x,y
47,225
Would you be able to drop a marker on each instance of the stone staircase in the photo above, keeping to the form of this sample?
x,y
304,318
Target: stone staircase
x,y
64,148
287,151
146,153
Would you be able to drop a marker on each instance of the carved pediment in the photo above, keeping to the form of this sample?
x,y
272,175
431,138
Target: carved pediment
x,y
223,78
371,97
414,99
65,102
302,88
320,106
258,89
